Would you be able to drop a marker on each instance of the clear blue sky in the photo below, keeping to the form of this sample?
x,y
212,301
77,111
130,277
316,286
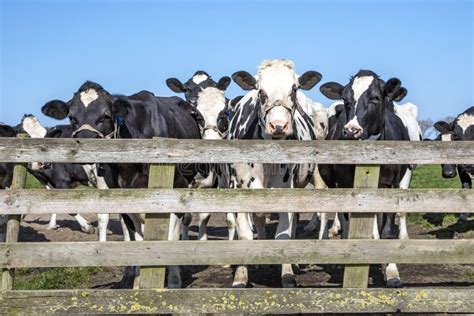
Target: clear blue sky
x,y
50,47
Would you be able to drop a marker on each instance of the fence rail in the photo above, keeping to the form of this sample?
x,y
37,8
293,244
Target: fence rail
x,y
210,151
229,200
160,199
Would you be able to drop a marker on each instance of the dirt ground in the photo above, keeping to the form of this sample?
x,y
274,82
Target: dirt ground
x,y
33,229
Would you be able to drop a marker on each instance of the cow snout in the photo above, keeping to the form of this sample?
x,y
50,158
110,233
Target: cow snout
x,y
352,132
278,127
86,134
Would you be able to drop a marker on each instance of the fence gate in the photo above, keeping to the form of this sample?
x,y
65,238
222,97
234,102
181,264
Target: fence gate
x,y
160,199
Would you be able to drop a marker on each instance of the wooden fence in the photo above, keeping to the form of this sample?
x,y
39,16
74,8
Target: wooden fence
x,y
160,199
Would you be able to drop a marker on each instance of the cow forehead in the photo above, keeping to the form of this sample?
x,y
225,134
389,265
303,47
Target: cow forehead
x,y
464,121
360,85
197,79
276,79
88,96
210,101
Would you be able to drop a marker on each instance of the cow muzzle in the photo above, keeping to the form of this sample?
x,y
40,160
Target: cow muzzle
x,y
352,132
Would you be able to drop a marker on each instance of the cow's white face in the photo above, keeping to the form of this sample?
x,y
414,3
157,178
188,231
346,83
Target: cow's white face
x,y
32,127
211,102
277,83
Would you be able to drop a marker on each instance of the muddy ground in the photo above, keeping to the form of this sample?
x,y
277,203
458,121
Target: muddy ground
x,y
33,229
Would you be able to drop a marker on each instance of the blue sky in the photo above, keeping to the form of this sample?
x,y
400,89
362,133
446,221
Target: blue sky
x,y
50,47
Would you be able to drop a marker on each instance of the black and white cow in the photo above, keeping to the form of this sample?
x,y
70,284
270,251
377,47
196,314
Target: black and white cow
x,y
213,110
66,176
95,113
461,129
368,113
272,109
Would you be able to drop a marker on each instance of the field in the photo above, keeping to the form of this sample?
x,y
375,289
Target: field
x,y
421,226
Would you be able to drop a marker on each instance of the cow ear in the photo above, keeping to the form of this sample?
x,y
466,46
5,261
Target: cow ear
x,y
332,90
56,109
391,87
309,79
121,107
7,131
175,85
223,83
443,127
244,80
400,94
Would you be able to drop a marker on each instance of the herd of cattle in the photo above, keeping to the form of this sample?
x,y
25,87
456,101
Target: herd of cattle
x,y
274,107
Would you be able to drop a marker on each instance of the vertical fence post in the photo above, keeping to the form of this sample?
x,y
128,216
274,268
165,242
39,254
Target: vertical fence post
x,y
13,221
361,226
161,176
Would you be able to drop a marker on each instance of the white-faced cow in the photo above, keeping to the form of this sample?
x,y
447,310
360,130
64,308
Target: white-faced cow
x,y
461,129
272,109
213,112
368,113
95,113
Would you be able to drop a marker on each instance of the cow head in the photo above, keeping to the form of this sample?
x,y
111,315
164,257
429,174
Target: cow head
x,y
199,81
213,106
92,112
32,126
277,85
6,131
365,99
462,128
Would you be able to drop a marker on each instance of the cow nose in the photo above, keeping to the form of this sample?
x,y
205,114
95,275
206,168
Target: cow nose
x,y
352,132
278,127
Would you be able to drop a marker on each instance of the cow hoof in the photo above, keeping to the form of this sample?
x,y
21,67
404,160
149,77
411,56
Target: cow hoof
x,y
288,281
239,286
394,283
388,234
52,227
90,230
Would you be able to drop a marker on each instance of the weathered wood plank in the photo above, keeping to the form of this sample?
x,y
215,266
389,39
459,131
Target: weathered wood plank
x,y
267,301
361,226
220,252
157,226
205,151
196,201
13,221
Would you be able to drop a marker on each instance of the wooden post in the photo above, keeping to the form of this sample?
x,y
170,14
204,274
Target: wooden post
x,y
361,226
156,225
13,221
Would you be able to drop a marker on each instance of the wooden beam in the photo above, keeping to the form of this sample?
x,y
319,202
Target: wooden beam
x,y
211,200
212,151
13,221
157,225
361,226
255,301
221,252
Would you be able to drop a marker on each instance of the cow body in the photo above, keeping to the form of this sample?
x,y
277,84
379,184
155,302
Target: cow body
x,y
461,129
95,113
272,109
368,113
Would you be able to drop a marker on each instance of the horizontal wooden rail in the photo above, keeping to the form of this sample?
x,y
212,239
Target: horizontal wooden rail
x,y
268,200
266,301
220,252
258,151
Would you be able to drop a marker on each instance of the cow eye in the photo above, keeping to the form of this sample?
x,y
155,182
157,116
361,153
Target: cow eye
x,y
103,118
73,121
262,95
294,88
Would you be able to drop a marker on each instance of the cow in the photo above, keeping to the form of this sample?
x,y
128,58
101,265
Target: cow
x,y
368,113
273,108
461,129
66,176
213,110
95,113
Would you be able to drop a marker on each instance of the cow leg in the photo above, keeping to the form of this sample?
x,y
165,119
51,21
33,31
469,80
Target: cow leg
x,y
375,228
392,276
244,231
203,221
103,222
323,227
86,227
404,184
335,228
284,232
230,219
344,225
466,183
52,222
389,231
3,227
260,221
174,274
188,217
312,224
126,234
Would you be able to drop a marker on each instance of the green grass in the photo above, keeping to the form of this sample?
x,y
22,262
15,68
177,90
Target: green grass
x,y
32,183
56,278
